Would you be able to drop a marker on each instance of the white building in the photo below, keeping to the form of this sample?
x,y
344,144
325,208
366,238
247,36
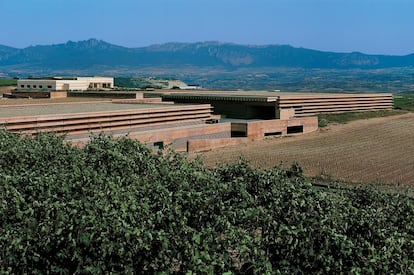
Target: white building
x,y
66,84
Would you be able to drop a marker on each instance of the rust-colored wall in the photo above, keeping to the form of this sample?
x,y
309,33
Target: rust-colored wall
x,y
196,145
256,130
286,113
310,124
169,135
196,142
58,94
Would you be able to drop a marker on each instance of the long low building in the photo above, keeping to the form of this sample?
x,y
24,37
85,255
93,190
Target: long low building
x,y
184,127
188,121
274,105
66,83
312,104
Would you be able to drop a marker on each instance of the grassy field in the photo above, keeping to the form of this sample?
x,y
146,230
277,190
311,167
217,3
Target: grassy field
x,y
8,82
404,103
371,150
327,119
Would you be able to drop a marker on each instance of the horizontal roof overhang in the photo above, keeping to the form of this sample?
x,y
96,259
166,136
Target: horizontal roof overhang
x,y
215,97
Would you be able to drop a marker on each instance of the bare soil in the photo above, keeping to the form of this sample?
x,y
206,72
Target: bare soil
x,y
377,150
6,89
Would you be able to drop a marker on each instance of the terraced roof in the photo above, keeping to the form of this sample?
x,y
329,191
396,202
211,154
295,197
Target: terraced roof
x,y
259,96
72,108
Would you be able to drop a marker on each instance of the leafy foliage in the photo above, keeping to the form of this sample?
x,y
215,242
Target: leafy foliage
x,y
114,206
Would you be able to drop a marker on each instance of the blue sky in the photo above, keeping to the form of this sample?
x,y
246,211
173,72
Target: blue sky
x,y
369,26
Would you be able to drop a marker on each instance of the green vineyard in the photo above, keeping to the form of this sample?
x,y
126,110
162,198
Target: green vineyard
x,y
115,206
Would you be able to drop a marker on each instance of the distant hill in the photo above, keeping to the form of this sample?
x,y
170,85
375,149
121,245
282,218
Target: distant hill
x,y
95,56
7,52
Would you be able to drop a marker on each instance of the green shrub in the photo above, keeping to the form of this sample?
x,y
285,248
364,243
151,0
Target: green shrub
x,y
114,206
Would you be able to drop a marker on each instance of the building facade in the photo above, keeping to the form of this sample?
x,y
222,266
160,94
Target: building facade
x,y
66,84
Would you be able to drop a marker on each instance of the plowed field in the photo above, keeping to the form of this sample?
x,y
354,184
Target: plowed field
x,y
372,150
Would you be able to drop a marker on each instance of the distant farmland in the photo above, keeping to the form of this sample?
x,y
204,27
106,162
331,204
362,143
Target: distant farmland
x,y
374,150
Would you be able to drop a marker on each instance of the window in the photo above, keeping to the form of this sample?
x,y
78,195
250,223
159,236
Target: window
x,y
28,86
49,86
40,86
295,129
34,86
238,134
21,86
270,134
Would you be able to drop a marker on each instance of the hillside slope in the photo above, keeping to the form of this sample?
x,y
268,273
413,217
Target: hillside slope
x,y
93,54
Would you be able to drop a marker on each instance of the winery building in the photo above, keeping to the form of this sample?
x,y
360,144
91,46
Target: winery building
x,y
66,83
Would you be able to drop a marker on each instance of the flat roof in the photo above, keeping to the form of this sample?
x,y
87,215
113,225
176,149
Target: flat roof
x,y
75,108
261,96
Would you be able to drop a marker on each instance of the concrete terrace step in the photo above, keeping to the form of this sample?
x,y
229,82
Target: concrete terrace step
x,y
75,119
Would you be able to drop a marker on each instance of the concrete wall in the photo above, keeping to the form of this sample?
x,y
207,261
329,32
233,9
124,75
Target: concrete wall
x,y
98,82
36,84
255,130
58,94
178,138
87,122
168,136
270,105
54,85
259,129
285,113
312,104
39,94
196,145
78,84
107,94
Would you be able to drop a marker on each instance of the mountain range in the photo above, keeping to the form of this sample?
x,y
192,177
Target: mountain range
x,y
97,56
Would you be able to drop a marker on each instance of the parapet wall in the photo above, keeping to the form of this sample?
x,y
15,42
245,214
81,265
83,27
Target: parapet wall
x,y
178,137
256,130
196,145
39,94
108,94
259,129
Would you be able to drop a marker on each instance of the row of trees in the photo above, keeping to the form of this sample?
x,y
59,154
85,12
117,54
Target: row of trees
x,y
114,206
